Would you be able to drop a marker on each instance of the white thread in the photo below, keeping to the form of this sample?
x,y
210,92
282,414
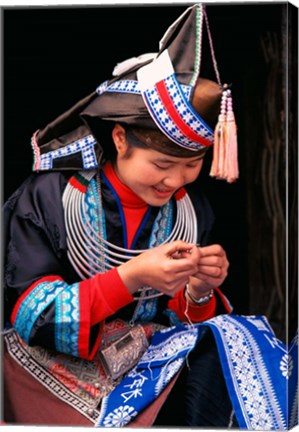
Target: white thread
x,y
191,325
230,424
186,314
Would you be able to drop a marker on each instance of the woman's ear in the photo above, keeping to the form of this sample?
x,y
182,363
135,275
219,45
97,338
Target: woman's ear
x,y
119,139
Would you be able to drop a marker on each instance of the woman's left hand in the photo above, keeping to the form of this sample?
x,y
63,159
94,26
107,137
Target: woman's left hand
x,y
212,270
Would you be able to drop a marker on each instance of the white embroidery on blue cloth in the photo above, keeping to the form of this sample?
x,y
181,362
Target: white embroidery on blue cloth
x,y
183,341
84,145
293,384
286,365
120,416
167,372
132,86
146,381
256,372
183,109
250,376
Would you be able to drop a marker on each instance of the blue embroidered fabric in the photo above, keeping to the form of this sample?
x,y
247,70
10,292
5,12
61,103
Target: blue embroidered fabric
x,y
256,366
67,317
67,320
146,309
292,373
145,382
34,304
260,373
85,146
132,86
184,110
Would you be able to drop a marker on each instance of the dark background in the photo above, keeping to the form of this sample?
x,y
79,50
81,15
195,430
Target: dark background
x,y
55,56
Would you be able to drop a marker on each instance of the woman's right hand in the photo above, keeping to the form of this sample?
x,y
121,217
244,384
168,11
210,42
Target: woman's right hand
x,y
166,268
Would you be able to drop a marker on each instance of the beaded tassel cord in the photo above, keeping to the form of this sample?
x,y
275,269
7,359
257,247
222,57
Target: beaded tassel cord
x,y
225,152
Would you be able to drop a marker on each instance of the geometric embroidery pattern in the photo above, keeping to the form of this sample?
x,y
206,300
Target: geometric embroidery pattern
x,y
86,406
121,86
146,309
160,363
67,320
84,145
293,383
177,343
259,404
132,86
182,125
34,304
95,217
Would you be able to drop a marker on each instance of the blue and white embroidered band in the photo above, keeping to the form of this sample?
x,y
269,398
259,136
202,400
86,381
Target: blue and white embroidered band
x,y
132,87
257,368
34,304
167,105
85,146
254,363
67,320
147,380
121,86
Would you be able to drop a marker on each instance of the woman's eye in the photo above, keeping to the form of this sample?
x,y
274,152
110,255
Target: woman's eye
x,y
194,164
162,167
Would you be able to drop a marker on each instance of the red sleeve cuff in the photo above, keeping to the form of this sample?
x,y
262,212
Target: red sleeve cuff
x,y
194,312
199,313
86,348
108,295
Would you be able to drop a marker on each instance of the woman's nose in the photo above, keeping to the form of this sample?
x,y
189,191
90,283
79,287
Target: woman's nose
x,y
175,180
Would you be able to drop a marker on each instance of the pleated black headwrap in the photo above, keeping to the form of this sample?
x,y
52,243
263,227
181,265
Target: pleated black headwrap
x,y
161,91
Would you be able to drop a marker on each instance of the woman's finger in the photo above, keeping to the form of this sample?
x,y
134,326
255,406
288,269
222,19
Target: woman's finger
x,y
212,260
212,250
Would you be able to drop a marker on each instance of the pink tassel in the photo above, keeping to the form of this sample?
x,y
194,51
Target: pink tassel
x,y
222,151
219,141
231,162
225,152
214,167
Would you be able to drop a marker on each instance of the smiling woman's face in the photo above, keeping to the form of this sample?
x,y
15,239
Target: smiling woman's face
x,y
152,175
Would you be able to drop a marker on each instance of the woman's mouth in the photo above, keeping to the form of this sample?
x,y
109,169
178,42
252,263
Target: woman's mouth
x,y
163,193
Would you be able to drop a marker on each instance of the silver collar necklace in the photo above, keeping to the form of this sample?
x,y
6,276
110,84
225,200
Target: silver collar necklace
x,y
88,250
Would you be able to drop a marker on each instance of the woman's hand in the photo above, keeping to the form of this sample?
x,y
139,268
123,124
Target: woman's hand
x,y
167,268
211,272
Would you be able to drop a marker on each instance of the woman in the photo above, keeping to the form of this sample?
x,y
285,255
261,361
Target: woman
x,y
110,272
134,189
